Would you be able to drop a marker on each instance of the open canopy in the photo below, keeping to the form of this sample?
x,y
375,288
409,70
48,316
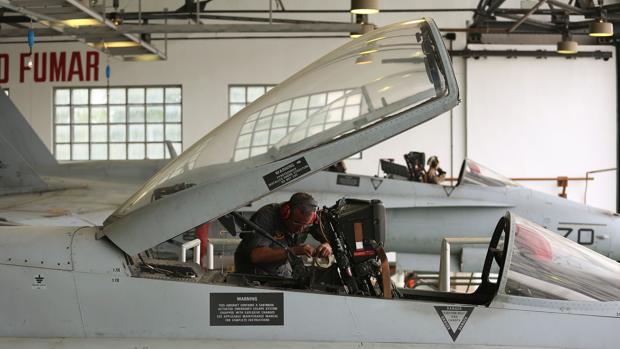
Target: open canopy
x,y
364,92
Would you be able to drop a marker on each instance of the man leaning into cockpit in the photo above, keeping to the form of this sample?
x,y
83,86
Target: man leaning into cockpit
x,y
289,223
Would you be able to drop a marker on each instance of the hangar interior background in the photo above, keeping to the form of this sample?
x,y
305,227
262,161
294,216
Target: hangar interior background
x,y
521,116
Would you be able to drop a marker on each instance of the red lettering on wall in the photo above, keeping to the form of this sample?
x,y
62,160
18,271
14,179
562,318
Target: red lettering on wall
x,y
92,64
53,66
75,67
4,68
40,69
23,65
57,66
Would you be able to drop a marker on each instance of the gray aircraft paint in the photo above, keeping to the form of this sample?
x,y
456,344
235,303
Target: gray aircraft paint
x,y
91,298
419,215
83,296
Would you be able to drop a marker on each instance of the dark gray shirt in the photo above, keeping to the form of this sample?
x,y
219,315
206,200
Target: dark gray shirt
x,y
268,218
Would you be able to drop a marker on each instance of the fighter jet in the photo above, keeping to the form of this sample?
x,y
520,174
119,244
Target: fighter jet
x,y
36,189
419,215
99,286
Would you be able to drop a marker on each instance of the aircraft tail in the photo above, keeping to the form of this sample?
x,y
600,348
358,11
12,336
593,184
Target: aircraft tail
x,y
21,151
17,131
16,174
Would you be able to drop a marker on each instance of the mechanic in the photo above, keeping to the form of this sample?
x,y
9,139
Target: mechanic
x,y
290,223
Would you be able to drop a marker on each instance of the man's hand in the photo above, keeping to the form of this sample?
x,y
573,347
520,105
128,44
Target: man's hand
x,y
324,250
303,250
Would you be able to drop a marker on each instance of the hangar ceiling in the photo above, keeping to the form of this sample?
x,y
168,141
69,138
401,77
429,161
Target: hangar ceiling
x,y
126,29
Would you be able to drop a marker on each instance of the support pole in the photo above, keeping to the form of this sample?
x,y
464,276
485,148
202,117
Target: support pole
x,y
444,267
617,45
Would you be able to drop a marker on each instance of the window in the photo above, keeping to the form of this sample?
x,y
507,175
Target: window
x,y
241,95
300,117
117,123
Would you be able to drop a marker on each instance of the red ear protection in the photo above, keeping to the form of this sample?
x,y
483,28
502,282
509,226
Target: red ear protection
x,y
285,213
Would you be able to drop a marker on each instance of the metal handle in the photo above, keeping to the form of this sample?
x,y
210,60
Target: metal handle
x,y
195,245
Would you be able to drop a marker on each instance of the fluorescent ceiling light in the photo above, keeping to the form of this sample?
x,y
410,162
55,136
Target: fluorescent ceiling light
x,y
143,58
81,22
114,44
364,7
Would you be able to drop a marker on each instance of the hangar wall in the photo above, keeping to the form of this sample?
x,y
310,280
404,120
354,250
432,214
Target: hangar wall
x,y
547,117
216,63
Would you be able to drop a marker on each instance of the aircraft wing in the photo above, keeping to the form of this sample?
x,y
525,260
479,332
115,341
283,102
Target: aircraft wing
x,y
76,202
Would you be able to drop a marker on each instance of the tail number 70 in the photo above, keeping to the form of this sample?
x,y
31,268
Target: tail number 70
x,y
585,236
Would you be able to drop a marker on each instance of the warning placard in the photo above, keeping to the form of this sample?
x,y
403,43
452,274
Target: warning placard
x,y
454,318
286,173
247,309
351,181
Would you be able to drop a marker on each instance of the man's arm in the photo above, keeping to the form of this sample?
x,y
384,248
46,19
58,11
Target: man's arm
x,y
274,255
324,250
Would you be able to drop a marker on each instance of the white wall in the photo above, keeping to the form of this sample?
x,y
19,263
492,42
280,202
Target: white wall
x,y
546,118
517,90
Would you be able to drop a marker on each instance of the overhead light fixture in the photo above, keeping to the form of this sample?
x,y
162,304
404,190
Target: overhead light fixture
x,y
113,44
81,22
147,57
567,46
366,28
601,28
117,18
364,7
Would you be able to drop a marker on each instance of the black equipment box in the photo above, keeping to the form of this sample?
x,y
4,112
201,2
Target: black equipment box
x,y
362,223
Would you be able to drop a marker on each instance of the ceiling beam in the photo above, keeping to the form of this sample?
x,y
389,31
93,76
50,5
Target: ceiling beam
x,y
92,33
525,17
530,21
569,8
224,28
536,53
